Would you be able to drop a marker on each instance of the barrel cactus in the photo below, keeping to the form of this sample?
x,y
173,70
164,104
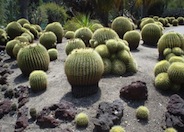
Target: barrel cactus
x,y
161,66
53,54
117,129
74,44
17,47
22,38
103,51
96,26
100,36
69,34
145,21
32,29
170,129
38,80
48,39
9,47
3,38
162,81
107,66
133,38
112,45
14,29
121,25
57,29
22,21
151,33
180,20
82,119
84,69
142,112
175,22
118,67
176,59
170,40
33,57
85,34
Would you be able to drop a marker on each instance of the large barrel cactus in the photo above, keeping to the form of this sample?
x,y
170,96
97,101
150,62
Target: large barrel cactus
x,y
121,25
33,57
100,36
56,28
23,21
17,48
145,21
151,33
38,80
84,69
85,34
170,40
48,39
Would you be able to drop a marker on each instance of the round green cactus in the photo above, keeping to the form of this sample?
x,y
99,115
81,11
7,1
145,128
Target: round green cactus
x,y
33,113
28,36
118,67
81,119
176,59
180,20
175,22
103,51
57,29
17,47
100,36
22,21
167,51
32,29
107,66
85,34
112,45
170,129
131,66
170,40
74,44
96,26
162,20
69,34
117,129
175,87
161,66
177,51
9,47
53,54
162,81
84,69
124,56
121,45
133,38
176,72
151,33
142,112
33,57
169,56
22,39
121,25
146,21
48,39
38,80
13,29
37,27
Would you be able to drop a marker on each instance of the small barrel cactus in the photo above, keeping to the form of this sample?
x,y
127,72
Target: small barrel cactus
x,y
177,51
146,21
103,51
82,119
142,112
121,25
112,45
84,69
151,33
9,47
17,47
22,21
176,59
74,44
180,20
33,57
133,38
124,56
57,29
33,113
175,22
161,66
117,129
131,66
48,39
162,81
22,39
38,80
118,67
96,26
69,34
53,54
170,129
85,34
107,66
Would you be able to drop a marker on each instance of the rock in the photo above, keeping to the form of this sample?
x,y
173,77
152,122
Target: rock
x,y
22,120
5,107
45,121
9,93
135,91
174,117
108,114
3,80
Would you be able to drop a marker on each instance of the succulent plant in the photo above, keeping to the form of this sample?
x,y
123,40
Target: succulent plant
x,y
177,51
32,29
69,34
151,33
169,56
57,29
9,47
85,34
100,36
131,66
133,38
107,66
162,20
142,112
13,29
176,59
72,44
48,40
37,27
161,66
3,37
162,81
112,45
167,51
84,69
96,26
175,22
17,47
121,25
121,45
53,54
176,72
145,21
14,107
124,56
103,51
117,129
33,57
22,21
22,39
28,36
82,119
170,129
118,67
38,80
180,20
170,40
33,113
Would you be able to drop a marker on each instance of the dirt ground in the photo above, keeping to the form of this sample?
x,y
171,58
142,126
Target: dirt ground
x,y
59,88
